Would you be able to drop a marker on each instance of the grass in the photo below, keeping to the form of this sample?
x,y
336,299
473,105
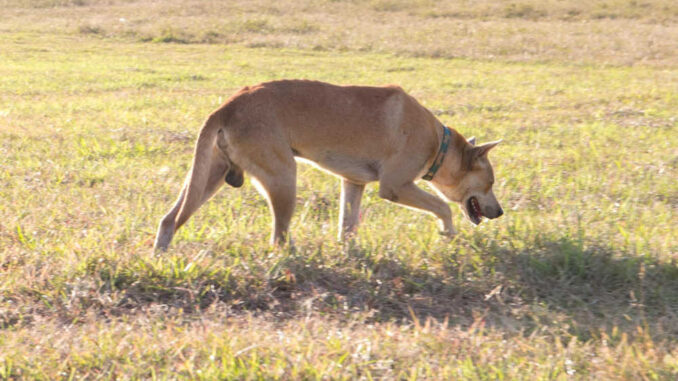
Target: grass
x,y
577,281
613,32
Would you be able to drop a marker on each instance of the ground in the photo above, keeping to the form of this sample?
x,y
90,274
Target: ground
x,y
100,104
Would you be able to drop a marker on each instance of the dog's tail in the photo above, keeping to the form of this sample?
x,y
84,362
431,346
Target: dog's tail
x,y
211,165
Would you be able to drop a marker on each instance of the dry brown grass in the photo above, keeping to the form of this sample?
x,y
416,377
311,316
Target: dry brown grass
x,y
611,32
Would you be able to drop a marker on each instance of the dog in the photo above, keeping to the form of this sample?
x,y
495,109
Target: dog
x,y
359,133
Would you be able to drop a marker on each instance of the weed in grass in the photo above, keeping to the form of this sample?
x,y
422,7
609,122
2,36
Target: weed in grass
x,y
171,35
90,29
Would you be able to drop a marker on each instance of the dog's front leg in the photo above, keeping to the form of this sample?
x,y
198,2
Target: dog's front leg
x,y
349,215
411,195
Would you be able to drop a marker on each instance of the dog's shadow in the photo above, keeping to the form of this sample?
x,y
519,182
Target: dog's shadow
x,y
559,284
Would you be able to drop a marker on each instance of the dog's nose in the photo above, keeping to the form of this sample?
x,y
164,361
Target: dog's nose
x,y
500,212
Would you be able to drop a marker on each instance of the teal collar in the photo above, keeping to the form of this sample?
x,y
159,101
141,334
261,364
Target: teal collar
x,y
438,161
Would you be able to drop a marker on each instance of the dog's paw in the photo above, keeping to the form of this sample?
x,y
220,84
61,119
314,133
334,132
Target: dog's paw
x,y
450,234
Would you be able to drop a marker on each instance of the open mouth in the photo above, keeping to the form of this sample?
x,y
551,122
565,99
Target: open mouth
x,y
473,210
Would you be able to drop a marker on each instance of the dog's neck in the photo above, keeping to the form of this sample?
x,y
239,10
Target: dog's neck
x,y
456,151
440,155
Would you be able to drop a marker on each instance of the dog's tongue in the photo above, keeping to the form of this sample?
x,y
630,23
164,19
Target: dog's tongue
x,y
476,207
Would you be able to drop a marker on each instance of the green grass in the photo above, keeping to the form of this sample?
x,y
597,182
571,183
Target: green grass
x,y
578,280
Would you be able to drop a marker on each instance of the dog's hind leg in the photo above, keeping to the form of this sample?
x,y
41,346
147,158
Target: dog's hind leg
x,y
218,168
349,215
234,176
275,172
166,227
169,223
212,169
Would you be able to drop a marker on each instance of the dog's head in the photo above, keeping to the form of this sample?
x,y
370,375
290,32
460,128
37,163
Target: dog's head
x,y
466,177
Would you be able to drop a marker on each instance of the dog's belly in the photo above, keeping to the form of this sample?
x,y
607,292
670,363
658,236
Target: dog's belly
x,y
357,170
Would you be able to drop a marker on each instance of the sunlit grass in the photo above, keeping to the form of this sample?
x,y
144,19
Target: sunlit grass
x,y
616,32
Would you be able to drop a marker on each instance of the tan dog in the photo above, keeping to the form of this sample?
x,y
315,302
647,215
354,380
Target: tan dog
x,y
362,134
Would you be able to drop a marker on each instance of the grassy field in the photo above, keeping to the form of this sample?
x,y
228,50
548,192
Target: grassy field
x,y
100,103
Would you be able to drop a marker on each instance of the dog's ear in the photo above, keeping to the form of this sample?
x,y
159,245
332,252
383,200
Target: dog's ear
x,y
472,140
483,149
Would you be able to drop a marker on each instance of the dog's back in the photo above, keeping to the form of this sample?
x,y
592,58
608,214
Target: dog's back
x,y
332,126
